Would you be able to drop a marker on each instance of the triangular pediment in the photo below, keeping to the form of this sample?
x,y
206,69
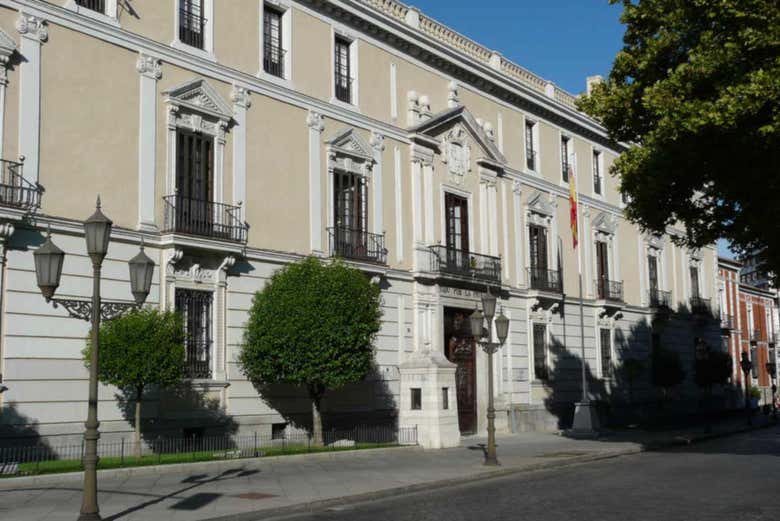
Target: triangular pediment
x,y
540,203
350,143
7,44
439,125
606,223
199,95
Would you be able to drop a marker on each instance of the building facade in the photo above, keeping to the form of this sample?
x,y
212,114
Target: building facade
x,y
235,137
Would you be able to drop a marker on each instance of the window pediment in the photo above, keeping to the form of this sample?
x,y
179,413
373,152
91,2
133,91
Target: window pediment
x,y
540,204
198,95
654,241
7,45
350,152
605,223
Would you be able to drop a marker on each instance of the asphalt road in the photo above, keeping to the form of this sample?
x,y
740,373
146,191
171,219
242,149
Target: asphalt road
x,y
735,479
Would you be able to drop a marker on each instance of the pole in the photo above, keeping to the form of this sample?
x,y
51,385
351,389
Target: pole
x,y
89,506
585,393
747,397
490,457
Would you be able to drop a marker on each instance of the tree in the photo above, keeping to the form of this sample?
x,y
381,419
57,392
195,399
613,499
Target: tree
x,y
140,349
312,326
667,371
631,369
695,94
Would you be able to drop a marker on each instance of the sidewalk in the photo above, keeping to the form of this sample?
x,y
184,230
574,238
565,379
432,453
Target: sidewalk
x,y
235,489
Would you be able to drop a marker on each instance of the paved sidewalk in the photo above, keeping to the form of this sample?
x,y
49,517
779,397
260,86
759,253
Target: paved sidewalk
x,y
234,490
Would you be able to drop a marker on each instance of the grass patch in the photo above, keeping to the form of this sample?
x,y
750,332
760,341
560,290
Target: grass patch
x,y
105,463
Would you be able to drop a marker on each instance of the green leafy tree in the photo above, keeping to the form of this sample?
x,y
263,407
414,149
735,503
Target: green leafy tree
x,y
312,326
715,369
630,370
695,92
140,349
667,371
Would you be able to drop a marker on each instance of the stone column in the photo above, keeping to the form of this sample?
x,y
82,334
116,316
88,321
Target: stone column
x,y
33,33
150,71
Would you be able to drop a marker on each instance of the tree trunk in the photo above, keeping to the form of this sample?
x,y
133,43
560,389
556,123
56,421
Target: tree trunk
x,y
316,416
137,422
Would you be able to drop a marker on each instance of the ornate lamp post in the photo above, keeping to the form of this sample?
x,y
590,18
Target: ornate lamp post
x,y
484,337
746,366
48,270
771,368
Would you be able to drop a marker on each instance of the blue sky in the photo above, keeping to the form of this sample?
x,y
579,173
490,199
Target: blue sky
x,y
560,40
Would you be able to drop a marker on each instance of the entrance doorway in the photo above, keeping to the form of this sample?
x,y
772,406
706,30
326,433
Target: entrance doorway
x,y
460,349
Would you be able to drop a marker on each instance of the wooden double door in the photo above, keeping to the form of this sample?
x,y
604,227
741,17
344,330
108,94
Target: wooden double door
x,y
460,349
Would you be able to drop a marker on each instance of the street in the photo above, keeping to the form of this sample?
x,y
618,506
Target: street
x,y
729,478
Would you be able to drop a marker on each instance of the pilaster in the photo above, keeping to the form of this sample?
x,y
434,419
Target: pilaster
x,y
377,143
150,70
33,33
241,103
316,126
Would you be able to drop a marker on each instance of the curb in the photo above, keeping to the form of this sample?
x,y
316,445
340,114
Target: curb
x,y
175,468
314,506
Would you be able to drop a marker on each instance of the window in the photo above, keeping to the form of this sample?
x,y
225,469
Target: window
x,y
694,273
192,205
93,5
343,70
565,159
541,371
457,217
605,341
602,269
445,398
195,308
416,399
530,148
192,23
350,216
273,50
597,172
754,359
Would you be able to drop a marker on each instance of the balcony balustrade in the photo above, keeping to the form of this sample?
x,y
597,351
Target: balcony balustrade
x,y
15,190
465,264
700,306
204,218
273,59
609,290
354,244
543,279
660,299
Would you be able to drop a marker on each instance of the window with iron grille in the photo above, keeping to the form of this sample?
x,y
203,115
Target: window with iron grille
x,y
541,369
416,395
565,158
93,5
597,172
192,23
343,70
530,151
196,310
605,340
273,53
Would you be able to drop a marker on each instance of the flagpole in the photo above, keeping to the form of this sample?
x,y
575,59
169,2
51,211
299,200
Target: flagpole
x,y
585,393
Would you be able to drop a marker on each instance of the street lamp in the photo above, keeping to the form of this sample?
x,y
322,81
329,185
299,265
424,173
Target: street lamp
x,y
49,260
484,337
747,365
771,368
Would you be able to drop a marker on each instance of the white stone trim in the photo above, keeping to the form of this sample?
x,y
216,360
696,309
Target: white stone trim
x,y
505,230
285,8
150,71
398,180
417,208
428,182
352,38
33,33
207,52
519,235
109,17
241,103
314,121
7,49
377,182
394,92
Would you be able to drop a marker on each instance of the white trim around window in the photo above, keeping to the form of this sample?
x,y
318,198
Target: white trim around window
x,y
352,39
444,190
534,141
208,32
109,16
283,7
598,155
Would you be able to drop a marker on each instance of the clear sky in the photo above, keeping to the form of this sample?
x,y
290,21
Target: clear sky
x,y
563,41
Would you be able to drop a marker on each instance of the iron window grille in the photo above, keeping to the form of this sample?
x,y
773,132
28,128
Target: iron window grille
x,y
192,23
605,337
93,5
597,173
565,159
273,53
343,70
541,368
530,152
196,310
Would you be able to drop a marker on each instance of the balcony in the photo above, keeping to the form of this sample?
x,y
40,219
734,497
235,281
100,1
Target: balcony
x,y
726,322
700,306
204,219
611,290
465,264
273,59
545,280
660,299
15,190
93,5
353,244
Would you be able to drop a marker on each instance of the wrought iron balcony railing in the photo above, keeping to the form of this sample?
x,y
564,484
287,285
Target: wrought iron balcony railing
x,y
451,261
93,5
700,305
343,88
356,244
192,27
273,59
609,289
545,280
15,190
204,218
726,322
660,299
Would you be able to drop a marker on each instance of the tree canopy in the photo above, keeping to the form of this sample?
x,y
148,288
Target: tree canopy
x,y
695,94
313,326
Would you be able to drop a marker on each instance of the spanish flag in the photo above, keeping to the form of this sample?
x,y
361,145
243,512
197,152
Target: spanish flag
x,y
573,204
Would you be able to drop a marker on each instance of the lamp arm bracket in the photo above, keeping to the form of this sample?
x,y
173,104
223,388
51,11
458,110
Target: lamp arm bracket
x,y
82,308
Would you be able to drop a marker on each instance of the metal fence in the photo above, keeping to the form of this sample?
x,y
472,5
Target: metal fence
x,y
44,458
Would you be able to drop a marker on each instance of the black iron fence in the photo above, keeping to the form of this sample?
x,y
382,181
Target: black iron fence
x,y
94,5
660,299
451,261
15,190
192,26
610,289
543,279
700,305
273,59
350,243
43,459
204,218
